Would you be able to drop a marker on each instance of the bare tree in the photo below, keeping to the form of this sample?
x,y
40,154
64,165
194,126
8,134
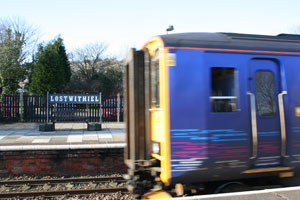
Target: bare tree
x,y
89,59
17,44
93,71
25,34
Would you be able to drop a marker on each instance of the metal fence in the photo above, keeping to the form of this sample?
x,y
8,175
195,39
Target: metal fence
x,y
33,108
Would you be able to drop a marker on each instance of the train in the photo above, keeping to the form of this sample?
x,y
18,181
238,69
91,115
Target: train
x,y
204,108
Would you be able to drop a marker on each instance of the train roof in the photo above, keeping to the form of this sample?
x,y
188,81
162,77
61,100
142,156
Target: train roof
x,y
235,41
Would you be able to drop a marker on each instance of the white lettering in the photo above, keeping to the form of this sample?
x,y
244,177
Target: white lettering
x,y
74,98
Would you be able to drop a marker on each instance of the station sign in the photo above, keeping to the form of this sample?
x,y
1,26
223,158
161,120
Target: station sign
x,y
74,98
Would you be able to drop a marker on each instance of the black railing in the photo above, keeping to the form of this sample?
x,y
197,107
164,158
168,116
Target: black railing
x,y
33,108
10,108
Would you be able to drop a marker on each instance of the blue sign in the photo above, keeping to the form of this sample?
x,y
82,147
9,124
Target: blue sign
x,y
74,98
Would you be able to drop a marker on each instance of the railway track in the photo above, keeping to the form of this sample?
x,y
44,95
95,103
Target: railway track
x,y
61,186
118,179
60,193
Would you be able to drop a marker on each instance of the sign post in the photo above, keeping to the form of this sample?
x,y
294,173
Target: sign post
x,y
100,103
74,99
47,106
47,126
118,107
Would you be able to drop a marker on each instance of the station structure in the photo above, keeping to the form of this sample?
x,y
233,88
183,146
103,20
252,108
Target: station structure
x,y
69,150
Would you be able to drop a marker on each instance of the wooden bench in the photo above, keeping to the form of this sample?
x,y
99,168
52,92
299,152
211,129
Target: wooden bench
x,y
70,116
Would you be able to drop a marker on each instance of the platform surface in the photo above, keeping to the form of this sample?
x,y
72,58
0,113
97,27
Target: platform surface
x,y
288,193
26,136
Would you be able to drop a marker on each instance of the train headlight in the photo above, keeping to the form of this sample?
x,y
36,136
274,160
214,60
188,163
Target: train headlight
x,y
156,147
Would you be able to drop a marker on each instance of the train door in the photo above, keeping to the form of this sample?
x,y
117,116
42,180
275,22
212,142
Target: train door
x,y
268,135
136,103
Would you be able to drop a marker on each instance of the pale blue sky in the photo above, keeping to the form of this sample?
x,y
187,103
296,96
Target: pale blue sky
x,y
123,24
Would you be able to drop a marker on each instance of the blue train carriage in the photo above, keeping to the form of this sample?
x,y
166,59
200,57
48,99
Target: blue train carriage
x,y
207,107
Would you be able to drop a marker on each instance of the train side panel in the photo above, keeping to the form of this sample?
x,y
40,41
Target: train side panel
x,y
292,105
212,131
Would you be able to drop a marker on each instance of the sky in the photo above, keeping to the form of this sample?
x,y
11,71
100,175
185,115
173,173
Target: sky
x,y
125,24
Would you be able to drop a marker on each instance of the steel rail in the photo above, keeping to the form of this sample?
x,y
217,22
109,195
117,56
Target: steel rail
x,y
60,192
62,180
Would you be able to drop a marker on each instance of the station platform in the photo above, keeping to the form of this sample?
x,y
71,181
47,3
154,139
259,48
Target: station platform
x,y
288,193
71,150
26,136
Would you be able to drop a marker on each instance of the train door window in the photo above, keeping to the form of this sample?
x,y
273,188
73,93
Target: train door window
x,y
265,93
223,89
154,82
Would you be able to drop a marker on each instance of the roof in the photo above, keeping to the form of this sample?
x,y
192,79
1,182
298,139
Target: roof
x,y
235,41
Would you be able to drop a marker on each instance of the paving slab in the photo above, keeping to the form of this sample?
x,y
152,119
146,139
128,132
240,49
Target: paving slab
x,y
27,139
41,140
32,134
103,131
115,130
93,137
76,132
21,126
59,139
26,136
64,132
11,137
74,138
106,140
104,136
8,142
118,136
6,132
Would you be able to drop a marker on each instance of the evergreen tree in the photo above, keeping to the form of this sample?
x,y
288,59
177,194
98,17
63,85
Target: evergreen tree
x,y
63,59
51,70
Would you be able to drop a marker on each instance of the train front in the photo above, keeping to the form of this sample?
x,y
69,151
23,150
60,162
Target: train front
x,y
147,154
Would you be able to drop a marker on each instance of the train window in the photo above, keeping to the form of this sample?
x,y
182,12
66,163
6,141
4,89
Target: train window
x,y
155,81
265,93
223,94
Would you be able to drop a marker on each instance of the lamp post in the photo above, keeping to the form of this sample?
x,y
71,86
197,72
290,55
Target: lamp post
x,y
170,28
